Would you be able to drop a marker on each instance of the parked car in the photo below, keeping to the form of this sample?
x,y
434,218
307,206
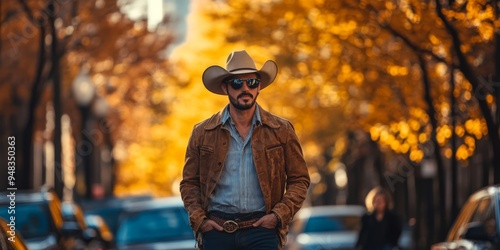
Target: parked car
x,y
38,218
477,225
10,240
333,227
110,209
155,225
76,224
325,227
101,230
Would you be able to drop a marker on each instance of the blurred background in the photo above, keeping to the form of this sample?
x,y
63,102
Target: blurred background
x,y
101,96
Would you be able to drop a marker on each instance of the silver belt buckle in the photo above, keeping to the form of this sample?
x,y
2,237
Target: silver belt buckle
x,y
230,226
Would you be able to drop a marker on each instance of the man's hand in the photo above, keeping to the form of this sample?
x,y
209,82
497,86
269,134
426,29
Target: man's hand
x,y
268,221
209,225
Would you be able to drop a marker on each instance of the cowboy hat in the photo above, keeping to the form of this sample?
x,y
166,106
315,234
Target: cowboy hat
x,y
238,62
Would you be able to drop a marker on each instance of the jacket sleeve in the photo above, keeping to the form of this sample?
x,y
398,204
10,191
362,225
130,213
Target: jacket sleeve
x,y
190,184
297,179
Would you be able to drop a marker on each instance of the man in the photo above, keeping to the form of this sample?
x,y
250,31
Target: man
x,y
245,176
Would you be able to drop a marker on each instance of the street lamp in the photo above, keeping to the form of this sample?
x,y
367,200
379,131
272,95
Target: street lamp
x,y
83,88
84,92
103,168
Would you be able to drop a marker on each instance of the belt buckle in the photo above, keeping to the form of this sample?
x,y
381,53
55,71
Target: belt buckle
x,y
230,226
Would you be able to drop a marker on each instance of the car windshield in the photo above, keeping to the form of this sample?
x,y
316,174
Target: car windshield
x,y
154,226
319,224
110,216
32,220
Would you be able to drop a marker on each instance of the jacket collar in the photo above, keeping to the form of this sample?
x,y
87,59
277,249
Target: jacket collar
x,y
267,119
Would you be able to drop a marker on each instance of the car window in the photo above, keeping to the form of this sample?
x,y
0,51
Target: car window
x,y
318,224
462,220
490,221
154,226
484,213
476,211
481,210
110,215
32,220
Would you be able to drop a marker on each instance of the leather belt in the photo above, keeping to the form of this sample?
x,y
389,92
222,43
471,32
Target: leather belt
x,y
230,226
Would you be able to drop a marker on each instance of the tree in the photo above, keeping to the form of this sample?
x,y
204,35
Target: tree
x,y
124,58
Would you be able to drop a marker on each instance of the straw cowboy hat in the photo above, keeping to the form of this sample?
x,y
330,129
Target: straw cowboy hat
x,y
238,62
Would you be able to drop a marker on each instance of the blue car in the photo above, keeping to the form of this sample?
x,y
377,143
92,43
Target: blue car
x,y
156,224
39,219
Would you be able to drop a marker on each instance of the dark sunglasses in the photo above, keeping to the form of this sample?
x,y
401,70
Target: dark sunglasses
x,y
238,83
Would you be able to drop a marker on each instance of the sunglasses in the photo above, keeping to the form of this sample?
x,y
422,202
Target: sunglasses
x,y
238,83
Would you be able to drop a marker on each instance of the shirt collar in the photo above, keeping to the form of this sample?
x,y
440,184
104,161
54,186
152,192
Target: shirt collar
x,y
226,117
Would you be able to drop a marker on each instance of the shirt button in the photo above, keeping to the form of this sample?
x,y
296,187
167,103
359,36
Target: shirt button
x,y
219,163
224,143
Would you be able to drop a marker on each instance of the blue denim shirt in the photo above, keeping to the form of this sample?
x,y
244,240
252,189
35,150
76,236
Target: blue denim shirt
x,y
238,189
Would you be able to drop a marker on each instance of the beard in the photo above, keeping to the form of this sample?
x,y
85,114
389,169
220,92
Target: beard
x,y
241,105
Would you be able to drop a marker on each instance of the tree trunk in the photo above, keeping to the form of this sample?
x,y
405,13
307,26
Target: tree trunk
x,y
26,182
425,228
496,74
437,152
496,83
378,162
56,88
454,163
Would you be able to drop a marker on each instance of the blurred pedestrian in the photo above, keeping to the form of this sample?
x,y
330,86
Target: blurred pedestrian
x,y
381,226
244,175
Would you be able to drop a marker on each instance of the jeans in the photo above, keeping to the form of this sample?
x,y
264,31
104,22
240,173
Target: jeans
x,y
258,238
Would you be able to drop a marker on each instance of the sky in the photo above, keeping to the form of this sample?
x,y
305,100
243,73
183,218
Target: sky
x,y
155,10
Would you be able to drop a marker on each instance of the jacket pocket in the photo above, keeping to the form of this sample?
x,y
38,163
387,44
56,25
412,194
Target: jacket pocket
x,y
276,166
206,158
276,159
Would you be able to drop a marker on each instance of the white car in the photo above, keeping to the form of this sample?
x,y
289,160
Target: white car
x,y
332,227
325,227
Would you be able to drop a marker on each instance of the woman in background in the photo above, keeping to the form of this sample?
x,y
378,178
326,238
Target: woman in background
x,y
380,227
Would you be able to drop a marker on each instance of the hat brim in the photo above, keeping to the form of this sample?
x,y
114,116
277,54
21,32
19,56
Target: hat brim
x,y
213,76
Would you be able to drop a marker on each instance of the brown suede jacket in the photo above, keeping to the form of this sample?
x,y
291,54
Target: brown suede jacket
x,y
278,158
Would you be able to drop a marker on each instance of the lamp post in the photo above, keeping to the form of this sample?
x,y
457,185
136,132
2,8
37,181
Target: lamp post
x,y
103,169
84,92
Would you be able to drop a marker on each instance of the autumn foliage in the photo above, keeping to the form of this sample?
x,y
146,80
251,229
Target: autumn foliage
x,y
419,78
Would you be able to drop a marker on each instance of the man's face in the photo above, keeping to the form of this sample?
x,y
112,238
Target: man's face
x,y
244,97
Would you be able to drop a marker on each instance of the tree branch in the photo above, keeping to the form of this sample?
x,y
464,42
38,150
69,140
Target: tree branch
x,y
413,46
27,10
407,40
